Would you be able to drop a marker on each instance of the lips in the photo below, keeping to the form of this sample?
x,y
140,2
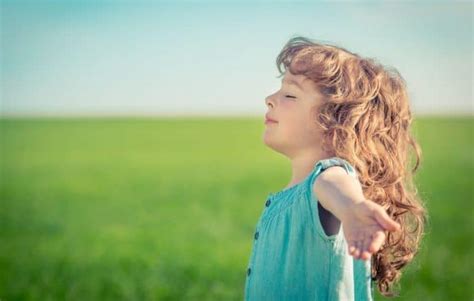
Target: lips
x,y
269,120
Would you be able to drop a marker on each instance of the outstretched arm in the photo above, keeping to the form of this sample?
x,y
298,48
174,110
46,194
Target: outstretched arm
x,y
364,221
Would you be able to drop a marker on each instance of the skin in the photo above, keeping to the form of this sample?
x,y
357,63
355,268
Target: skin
x,y
364,222
297,136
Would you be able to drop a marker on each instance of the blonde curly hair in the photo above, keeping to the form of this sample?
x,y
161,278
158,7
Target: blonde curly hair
x,y
366,120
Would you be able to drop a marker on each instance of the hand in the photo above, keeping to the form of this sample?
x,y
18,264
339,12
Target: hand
x,y
364,228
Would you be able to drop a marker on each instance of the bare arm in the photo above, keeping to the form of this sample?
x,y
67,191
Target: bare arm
x,y
337,191
364,221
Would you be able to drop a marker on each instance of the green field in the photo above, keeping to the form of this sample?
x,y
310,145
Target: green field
x,y
165,209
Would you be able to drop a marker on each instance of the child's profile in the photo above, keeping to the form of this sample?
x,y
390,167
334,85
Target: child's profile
x,y
343,224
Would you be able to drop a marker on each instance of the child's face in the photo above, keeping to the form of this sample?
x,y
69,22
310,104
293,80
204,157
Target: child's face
x,y
294,107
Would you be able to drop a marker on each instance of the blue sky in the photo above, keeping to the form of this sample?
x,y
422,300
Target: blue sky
x,y
217,58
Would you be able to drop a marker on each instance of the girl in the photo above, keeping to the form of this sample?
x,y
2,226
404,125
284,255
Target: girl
x,y
344,123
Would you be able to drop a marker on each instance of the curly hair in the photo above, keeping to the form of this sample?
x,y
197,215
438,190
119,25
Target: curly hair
x,y
365,119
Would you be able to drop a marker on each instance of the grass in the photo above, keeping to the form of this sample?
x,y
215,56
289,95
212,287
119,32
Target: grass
x,y
165,209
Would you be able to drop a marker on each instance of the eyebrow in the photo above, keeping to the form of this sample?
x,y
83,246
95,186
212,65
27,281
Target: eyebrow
x,y
292,82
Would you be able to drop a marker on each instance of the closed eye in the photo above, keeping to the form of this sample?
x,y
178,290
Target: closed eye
x,y
289,96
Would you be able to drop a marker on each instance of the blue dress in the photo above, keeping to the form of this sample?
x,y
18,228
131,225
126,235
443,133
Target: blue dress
x,y
294,259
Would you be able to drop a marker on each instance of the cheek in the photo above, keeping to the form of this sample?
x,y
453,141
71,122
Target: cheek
x,y
297,123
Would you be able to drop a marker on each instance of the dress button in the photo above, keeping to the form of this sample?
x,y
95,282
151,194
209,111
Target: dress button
x,y
248,271
256,235
268,202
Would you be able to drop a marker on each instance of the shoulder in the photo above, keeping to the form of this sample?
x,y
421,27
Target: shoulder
x,y
332,174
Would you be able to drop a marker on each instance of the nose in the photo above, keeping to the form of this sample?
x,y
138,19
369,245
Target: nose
x,y
269,101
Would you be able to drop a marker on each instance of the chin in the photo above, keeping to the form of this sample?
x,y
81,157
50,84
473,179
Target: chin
x,y
266,139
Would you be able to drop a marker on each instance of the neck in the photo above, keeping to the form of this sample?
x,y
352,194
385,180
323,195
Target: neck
x,y
303,164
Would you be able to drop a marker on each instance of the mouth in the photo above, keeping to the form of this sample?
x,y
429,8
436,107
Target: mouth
x,y
270,121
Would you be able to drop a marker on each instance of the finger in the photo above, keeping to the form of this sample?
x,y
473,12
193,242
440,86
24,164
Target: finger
x,y
377,241
365,255
362,250
354,249
385,220
366,252
351,248
357,250
366,243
